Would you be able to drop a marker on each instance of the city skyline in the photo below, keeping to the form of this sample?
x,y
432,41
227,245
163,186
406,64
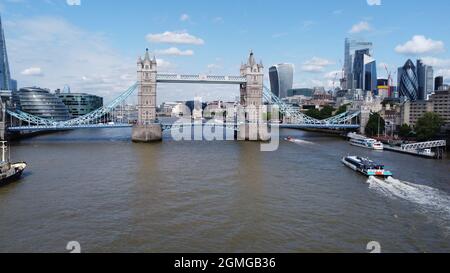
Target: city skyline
x,y
53,43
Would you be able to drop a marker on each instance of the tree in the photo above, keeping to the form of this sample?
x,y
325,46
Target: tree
x,y
405,131
428,126
314,113
342,109
326,112
375,125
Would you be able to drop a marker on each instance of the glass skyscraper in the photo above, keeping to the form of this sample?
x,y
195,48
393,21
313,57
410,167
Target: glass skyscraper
x,y
364,71
13,85
5,76
408,83
281,79
425,76
351,46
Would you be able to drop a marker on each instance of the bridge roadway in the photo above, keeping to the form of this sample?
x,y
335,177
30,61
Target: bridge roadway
x,y
168,126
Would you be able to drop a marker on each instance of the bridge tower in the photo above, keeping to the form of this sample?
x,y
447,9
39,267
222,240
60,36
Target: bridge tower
x,y
252,100
252,90
147,129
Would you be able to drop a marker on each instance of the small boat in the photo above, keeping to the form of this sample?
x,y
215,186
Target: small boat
x,y
290,139
9,172
364,142
366,166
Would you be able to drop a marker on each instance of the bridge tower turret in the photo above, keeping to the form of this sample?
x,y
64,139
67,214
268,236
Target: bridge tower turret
x,y
147,128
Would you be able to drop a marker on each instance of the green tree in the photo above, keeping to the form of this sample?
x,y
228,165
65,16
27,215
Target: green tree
x,y
342,109
405,131
428,126
326,112
314,113
375,126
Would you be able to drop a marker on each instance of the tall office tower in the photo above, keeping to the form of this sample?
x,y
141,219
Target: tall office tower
x,y
438,82
281,79
13,85
364,71
5,77
425,76
351,46
408,84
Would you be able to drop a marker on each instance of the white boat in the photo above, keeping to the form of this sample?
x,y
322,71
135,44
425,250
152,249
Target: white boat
x,y
364,142
365,166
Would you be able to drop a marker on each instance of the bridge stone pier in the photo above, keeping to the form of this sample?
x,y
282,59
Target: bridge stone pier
x,y
147,129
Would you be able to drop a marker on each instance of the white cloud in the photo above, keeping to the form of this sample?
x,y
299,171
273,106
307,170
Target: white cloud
x,y
374,2
73,2
69,55
213,66
360,27
218,20
32,71
174,38
315,65
175,52
419,45
436,62
163,64
184,17
333,75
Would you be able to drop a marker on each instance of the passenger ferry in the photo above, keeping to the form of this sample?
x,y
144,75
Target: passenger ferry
x,y
366,166
362,141
9,172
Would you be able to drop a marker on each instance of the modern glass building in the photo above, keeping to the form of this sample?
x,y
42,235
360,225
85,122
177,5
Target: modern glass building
x,y
408,83
425,76
40,102
438,82
364,71
5,77
80,104
281,79
13,85
306,92
351,46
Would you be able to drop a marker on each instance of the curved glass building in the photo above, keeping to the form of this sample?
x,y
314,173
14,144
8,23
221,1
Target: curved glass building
x,y
408,83
40,102
281,79
80,104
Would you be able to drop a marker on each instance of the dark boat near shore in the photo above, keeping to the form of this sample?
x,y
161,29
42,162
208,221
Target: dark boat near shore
x,y
10,172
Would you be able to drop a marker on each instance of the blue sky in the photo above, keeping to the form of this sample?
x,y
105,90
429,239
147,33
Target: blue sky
x,y
92,45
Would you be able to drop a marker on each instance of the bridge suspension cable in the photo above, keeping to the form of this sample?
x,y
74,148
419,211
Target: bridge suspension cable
x,y
299,117
83,120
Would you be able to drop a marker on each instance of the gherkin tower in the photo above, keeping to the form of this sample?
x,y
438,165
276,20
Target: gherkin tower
x,y
5,76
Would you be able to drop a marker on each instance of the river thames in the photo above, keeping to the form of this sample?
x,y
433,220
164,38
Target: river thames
x,y
110,195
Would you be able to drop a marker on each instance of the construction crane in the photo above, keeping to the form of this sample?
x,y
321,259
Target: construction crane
x,y
390,82
334,81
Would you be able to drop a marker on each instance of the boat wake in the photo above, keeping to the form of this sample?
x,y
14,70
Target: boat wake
x,y
299,141
430,200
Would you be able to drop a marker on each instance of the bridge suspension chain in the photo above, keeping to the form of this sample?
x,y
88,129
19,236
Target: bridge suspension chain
x,y
83,120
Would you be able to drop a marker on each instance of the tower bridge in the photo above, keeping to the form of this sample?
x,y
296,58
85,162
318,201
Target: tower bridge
x,y
253,94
